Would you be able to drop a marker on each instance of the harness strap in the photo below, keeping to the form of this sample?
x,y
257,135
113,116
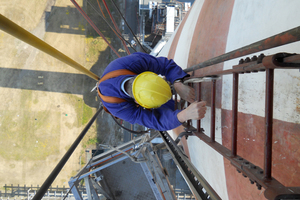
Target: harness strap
x,y
109,75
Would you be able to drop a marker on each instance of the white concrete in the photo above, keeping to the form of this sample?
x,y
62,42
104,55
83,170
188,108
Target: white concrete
x,y
200,153
184,42
252,22
207,161
170,19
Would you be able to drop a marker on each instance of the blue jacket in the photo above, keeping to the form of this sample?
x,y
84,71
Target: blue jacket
x,y
162,118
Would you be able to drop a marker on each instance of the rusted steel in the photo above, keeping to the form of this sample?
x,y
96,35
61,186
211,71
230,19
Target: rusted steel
x,y
189,122
292,59
286,37
278,192
279,60
269,123
261,177
274,189
199,99
289,61
234,114
213,111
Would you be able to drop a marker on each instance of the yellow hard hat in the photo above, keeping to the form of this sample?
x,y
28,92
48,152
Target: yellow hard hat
x,y
150,90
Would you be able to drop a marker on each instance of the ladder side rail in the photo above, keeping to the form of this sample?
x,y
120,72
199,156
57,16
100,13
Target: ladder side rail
x,y
235,90
262,178
213,111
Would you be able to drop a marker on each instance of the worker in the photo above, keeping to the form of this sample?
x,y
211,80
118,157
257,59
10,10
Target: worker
x,y
130,89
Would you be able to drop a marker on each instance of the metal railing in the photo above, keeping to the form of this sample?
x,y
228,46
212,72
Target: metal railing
x,y
14,191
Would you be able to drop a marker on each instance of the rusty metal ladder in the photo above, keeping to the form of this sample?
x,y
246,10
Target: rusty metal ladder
x,y
261,177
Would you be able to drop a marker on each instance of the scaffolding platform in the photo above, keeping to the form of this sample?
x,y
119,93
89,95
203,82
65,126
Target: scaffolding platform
x,y
129,171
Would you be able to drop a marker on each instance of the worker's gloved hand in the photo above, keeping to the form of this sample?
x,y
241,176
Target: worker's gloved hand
x,y
185,92
195,111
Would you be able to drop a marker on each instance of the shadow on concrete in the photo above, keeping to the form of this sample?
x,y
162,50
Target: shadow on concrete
x,y
70,21
49,82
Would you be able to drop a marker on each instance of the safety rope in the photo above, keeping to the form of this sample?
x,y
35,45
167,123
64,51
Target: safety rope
x,y
131,131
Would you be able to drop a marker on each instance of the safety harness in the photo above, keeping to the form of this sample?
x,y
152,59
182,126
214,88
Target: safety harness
x,y
112,74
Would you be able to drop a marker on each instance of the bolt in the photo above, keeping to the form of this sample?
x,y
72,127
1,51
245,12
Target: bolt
x,y
247,59
246,162
254,58
241,61
260,58
261,171
252,182
258,186
244,176
253,167
240,158
238,171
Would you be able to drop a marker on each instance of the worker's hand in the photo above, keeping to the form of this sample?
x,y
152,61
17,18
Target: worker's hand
x,y
195,111
185,92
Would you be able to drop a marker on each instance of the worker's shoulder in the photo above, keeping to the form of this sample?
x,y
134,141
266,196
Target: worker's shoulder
x,y
134,62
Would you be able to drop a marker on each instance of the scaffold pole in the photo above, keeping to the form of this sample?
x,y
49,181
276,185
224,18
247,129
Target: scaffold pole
x,y
39,195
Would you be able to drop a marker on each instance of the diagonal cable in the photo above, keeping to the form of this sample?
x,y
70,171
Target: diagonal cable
x,y
40,193
128,25
101,9
93,25
116,27
119,35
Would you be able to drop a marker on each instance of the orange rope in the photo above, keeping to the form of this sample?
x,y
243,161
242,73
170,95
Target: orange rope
x,y
101,9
